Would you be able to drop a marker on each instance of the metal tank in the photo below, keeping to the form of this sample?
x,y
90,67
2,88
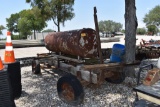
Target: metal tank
x,y
80,42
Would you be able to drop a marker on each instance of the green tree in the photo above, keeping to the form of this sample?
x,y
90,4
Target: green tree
x,y
31,20
23,26
152,29
102,26
57,10
1,28
109,26
117,27
12,22
153,17
48,30
141,31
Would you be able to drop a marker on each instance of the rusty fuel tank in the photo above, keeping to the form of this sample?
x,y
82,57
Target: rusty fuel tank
x,y
80,42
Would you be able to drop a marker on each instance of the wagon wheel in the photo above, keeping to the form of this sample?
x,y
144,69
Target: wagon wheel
x,y
36,67
116,78
70,90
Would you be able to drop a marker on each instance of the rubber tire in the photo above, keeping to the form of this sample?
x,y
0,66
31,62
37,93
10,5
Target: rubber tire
x,y
77,88
14,73
36,69
117,81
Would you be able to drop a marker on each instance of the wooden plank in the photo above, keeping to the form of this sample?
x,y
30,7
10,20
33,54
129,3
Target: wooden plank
x,y
85,75
97,35
69,59
102,66
109,65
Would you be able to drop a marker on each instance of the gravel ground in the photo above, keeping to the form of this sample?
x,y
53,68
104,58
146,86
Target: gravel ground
x,y
41,90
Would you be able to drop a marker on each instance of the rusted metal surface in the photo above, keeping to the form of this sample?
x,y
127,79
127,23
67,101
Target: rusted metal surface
x,y
150,43
76,42
67,92
148,49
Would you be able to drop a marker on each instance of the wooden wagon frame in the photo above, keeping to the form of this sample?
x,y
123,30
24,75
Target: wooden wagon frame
x,y
80,72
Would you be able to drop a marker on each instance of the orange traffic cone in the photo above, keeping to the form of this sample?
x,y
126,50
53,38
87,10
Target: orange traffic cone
x,y
9,53
1,64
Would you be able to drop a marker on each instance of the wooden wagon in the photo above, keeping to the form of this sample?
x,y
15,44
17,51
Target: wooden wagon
x,y
80,72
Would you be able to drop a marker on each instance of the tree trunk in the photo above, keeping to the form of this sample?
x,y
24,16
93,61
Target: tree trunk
x,y
58,24
130,36
34,35
130,30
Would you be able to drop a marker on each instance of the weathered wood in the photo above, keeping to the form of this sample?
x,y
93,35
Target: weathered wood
x,y
85,75
109,65
49,55
152,77
130,34
130,30
97,35
69,59
102,66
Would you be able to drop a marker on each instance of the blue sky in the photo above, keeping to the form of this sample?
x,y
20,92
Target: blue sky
x,y
83,9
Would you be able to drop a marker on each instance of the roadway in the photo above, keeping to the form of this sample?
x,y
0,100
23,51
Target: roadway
x,y
23,43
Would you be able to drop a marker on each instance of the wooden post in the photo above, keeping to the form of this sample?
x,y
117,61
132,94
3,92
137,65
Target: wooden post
x,y
130,30
130,35
97,35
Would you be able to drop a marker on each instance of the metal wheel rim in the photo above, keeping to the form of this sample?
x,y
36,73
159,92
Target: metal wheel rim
x,y
67,92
